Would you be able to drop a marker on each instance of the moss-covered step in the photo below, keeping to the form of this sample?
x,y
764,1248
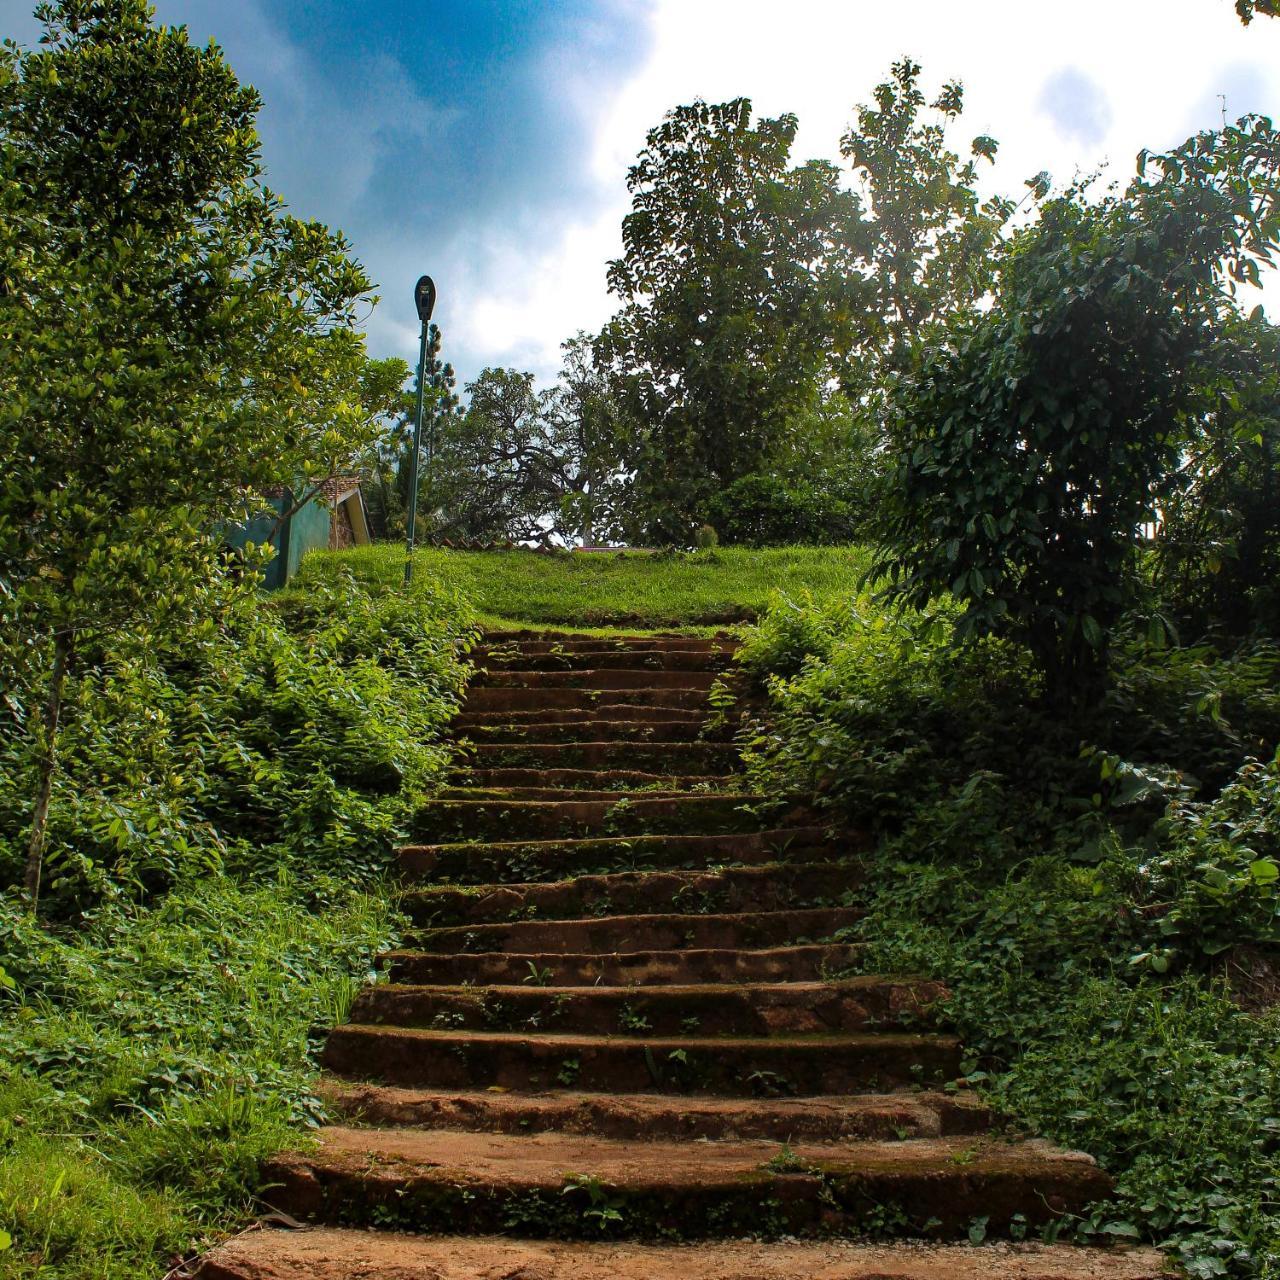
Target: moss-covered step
x,y
935,1187
658,931
850,1062
590,779
649,1117
771,886
552,658
743,1009
799,963
605,756
494,818
489,698
545,860
466,721
596,679
338,1254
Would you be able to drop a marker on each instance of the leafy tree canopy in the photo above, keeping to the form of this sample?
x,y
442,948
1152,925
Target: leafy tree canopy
x,y
729,253
171,339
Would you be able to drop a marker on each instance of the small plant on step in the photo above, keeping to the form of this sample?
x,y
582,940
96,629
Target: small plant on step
x,y
601,1209
787,1161
631,1019
537,977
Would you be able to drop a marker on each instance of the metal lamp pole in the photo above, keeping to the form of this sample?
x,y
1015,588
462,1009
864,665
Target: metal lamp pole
x,y
424,299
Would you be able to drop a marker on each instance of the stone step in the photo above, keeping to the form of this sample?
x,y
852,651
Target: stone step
x,y
586,727
488,698
595,678
548,1183
649,1117
805,963
526,861
592,780
772,1065
504,795
577,641
619,711
654,932
442,821
743,1009
602,756
604,659
338,1254
771,886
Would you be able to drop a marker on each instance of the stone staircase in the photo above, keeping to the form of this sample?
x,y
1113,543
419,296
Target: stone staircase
x,y
623,1021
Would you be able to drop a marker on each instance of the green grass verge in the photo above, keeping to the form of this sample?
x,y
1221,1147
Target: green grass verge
x,y
611,589
151,1059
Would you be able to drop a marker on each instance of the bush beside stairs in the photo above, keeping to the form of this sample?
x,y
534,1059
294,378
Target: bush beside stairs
x,y
618,1042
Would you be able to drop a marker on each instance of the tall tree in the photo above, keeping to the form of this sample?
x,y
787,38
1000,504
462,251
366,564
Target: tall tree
x,y
930,244
170,341
734,268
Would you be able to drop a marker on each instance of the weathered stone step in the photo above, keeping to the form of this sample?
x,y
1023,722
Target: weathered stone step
x,y
525,861
654,932
593,780
592,678
570,642
853,1062
804,963
629,659
742,1009
487,698
441,821
504,795
689,759
683,757
430,1181
648,1117
576,728
337,1254
618,711
767,887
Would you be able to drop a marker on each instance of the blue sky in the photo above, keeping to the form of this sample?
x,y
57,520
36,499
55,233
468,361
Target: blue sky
x,y
487,141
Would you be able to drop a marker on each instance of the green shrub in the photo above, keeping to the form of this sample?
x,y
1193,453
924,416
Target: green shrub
x,y
282,733
1070,881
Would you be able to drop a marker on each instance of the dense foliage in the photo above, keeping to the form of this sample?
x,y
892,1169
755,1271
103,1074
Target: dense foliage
x,y
1035,443
218,834
1082,886
731,263
171,341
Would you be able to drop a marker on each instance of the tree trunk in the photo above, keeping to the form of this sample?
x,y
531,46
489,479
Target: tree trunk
x,y
48,766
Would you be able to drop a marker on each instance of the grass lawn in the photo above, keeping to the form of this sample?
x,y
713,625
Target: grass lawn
x,y
613,589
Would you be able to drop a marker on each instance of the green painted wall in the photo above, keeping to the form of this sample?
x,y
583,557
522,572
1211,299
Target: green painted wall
x,y
306,530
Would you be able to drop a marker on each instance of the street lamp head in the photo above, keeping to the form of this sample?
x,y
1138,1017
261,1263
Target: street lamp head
x,y
424,298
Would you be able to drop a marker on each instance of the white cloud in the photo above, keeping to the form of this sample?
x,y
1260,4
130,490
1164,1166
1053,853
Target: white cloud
x,y
1077,106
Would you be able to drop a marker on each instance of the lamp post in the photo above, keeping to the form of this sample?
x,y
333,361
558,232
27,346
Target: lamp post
x,y
424,299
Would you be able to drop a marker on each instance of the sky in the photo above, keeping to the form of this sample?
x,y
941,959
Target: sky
x,y
486,142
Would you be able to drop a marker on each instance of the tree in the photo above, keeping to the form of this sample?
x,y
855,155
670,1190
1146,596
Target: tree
x,y
734,265
1033,445
584,438
1248,9
492,475
171,341
929,247
1218,539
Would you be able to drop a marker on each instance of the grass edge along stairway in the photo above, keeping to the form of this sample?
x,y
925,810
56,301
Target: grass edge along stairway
x,y
621,1021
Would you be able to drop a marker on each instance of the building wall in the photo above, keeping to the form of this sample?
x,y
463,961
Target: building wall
x,y
307,530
